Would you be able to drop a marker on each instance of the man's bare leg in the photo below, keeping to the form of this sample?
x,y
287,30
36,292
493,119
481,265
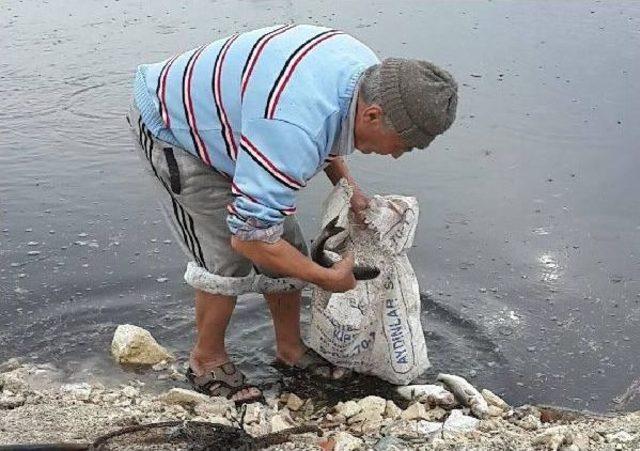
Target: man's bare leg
x,y
213,312
285,311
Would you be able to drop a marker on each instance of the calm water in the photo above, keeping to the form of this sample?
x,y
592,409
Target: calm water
x,y
528,251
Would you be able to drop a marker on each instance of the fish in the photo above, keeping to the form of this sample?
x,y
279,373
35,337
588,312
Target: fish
x,y
466,394
321,256
431,394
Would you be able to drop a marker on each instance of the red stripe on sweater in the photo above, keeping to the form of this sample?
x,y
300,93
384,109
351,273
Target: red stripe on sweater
x,y
253,58
191,119
226,126
292,68
270,166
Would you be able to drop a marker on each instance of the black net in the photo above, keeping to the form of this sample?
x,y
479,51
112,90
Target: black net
x,y
177,435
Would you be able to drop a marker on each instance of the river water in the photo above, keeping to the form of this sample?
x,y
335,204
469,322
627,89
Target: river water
x,y
528,249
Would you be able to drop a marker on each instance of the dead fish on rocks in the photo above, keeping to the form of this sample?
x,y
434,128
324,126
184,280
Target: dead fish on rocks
x,y
327,258
466,394
431,394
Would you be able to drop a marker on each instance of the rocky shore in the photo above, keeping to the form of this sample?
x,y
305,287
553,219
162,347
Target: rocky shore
x,y
34,408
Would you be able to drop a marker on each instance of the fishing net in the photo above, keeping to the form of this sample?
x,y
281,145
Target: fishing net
x,y
190,435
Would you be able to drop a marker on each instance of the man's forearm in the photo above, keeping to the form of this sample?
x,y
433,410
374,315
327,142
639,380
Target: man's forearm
x,y
338,169
281,258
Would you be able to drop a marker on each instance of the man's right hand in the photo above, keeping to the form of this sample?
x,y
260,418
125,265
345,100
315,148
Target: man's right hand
x,y
340,275
282,258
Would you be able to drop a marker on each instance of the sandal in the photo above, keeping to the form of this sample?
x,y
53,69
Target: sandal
x,y
224,380
313,364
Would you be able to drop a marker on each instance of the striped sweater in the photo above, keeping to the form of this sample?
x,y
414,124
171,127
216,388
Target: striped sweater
x,y
264,108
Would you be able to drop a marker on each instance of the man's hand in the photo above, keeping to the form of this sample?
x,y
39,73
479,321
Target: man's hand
x,y
284,259
359,203
340,276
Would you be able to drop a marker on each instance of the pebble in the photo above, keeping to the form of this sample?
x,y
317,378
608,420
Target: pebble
x,y
348,409
346,442
294,403
33,253
415,411
32,243
161,279
458,423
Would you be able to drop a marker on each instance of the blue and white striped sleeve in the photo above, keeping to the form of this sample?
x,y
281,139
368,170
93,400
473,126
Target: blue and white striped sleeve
x,y
275,161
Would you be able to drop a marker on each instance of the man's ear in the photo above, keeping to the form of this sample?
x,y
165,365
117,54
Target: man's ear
x,y
372,114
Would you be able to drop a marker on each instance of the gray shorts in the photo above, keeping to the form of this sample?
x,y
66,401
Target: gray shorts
x,y
194,198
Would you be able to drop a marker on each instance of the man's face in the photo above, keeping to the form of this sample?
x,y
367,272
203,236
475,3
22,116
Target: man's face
x,y
373,136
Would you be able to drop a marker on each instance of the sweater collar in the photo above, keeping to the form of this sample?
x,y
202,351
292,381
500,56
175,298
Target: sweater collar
x,y
344,145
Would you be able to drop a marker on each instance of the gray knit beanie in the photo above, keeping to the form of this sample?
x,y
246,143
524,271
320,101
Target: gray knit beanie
x,y
419,99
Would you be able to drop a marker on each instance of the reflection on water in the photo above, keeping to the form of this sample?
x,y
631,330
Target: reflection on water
x,y
551,268
529,238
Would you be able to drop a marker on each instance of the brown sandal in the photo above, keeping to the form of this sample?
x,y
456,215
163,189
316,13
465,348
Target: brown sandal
x,y
313,364
224,380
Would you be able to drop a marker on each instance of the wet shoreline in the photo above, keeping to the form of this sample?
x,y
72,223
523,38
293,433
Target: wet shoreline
x,y
528,246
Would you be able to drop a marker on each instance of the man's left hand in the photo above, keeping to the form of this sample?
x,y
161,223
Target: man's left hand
x,y
359,203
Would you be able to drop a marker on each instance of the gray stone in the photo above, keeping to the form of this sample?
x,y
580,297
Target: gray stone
x,y
294,403
280,422
619,437
183,396
458,423
415,411
530,423
348,409
346,442
391,410
254,413
373,404
390,443
11,401
214,407
81,392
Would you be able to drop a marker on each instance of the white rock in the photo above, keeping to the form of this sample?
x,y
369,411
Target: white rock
x,y
459,423
160,366
177,376
214,407
373,404
428,427
436,414
135,345
530,423
255,412
551,438
346,442
294,402
494,400
415,411
183,396
348,409
391,410
414,429
365,416
620,437
280,422
12,364
8,400
130,392
14,381
81,392
582,442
